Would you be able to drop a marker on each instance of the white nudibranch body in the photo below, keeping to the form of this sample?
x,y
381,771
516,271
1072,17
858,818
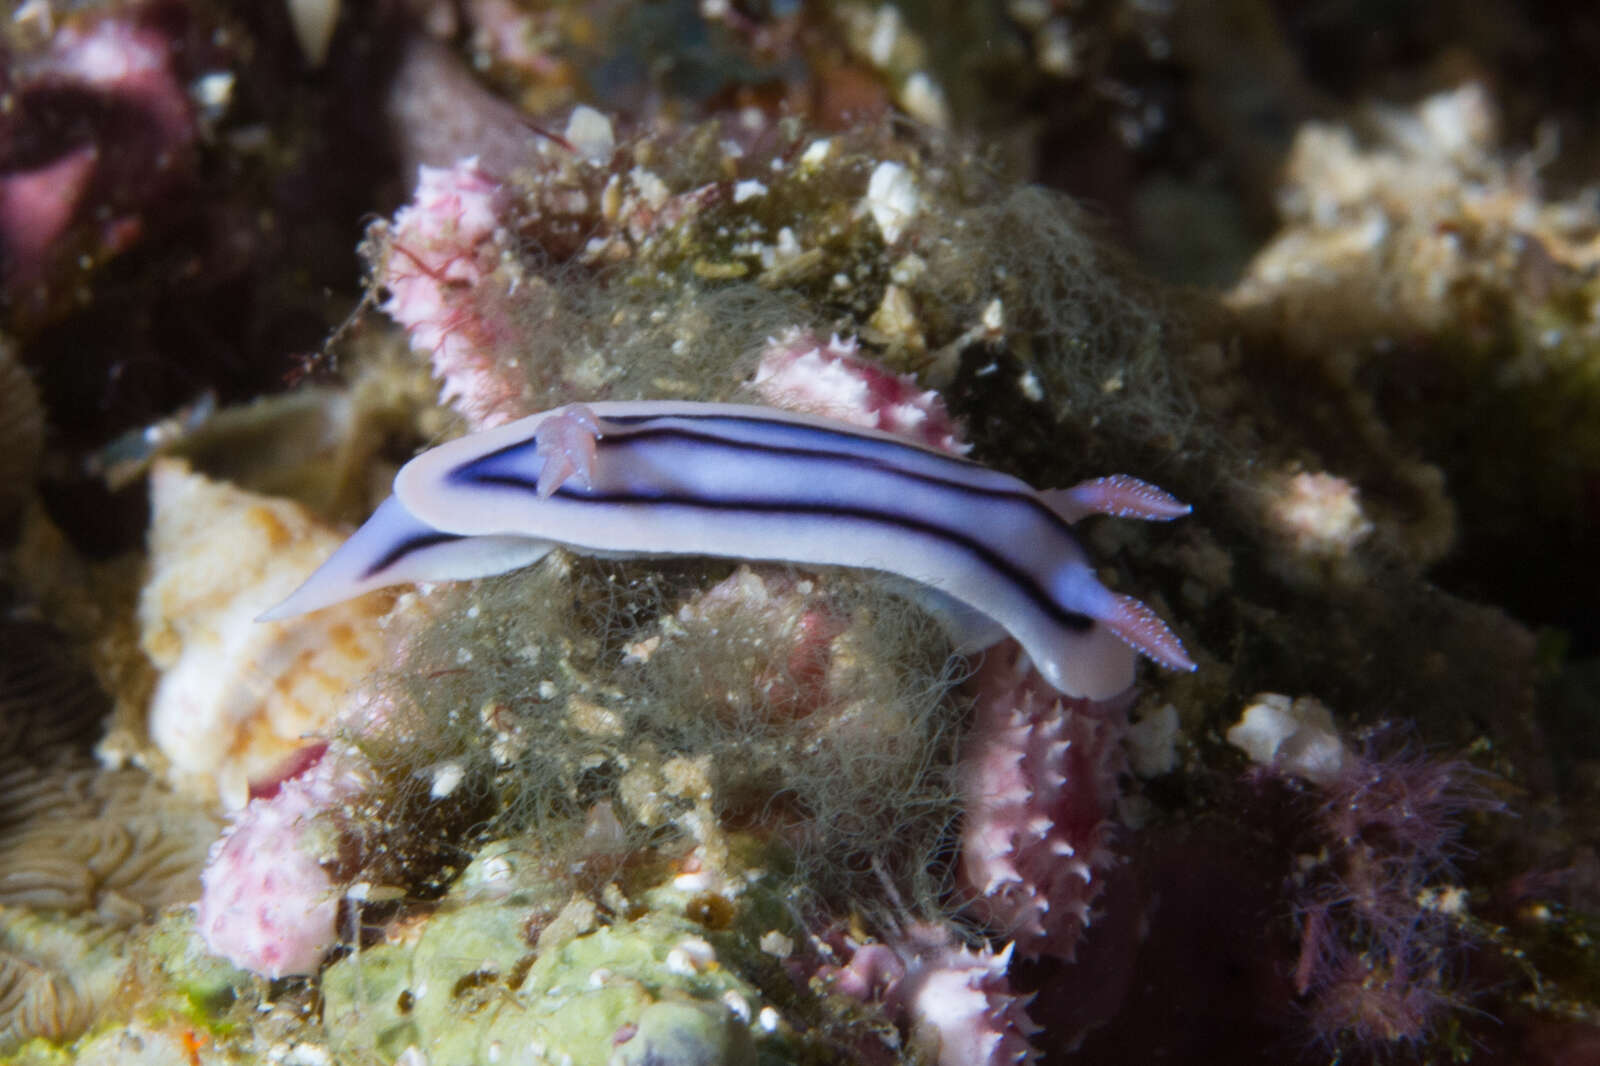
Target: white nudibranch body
x,y
993,556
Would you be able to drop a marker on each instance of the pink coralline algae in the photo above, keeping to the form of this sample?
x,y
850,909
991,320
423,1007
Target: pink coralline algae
x,y
442,250
268,903
1039,773
801,372
956,1001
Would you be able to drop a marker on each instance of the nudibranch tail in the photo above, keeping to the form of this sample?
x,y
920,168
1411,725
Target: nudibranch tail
x,y
394,547
1118,495
1142,629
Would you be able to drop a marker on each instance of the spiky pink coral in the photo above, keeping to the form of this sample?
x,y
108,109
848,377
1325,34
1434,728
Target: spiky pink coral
x,y
956,1001
267,901
963,1012
801,372
442,249
1038,772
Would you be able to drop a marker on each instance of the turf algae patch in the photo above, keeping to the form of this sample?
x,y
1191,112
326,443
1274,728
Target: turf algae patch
x,y
647,709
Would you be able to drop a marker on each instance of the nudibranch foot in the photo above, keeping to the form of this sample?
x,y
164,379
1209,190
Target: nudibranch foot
x,y
1118,495
566,448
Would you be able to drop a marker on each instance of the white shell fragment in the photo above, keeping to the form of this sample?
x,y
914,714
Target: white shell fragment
x,y
1296,737
236,698
1153,742
892,199
590,133
314,22
924,101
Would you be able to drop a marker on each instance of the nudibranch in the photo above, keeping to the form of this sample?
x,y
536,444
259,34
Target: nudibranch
x,y
992,555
